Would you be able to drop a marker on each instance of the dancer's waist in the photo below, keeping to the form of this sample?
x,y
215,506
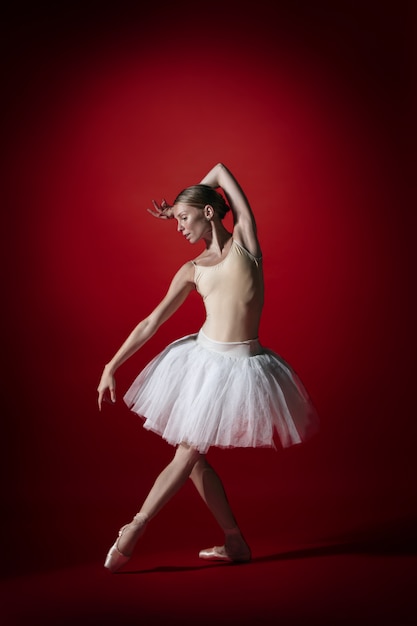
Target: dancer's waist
x,y
249,347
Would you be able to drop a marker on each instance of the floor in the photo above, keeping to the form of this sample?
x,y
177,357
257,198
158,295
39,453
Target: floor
x,y
347,583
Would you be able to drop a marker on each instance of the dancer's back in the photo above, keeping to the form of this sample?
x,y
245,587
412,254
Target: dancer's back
x,y
233,294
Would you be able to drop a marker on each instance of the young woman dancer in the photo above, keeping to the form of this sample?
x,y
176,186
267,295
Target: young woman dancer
x,y
218,387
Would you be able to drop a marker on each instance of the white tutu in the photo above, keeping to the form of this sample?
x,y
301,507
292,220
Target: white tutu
x,y
208,393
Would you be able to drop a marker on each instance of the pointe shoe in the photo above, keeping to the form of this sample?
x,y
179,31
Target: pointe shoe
x,y
115,558
219,553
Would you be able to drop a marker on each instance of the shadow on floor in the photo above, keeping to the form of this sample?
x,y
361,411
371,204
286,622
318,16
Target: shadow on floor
x,y
393,539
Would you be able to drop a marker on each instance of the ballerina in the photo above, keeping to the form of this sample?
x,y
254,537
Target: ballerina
x,y
220,386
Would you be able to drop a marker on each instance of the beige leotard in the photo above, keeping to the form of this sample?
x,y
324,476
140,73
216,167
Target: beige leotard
x,y
233,295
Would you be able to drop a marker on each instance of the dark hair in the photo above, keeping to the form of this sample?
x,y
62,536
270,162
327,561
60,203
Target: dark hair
x,y
201,195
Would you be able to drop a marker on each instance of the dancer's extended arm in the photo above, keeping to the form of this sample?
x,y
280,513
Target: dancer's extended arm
x,y
182,284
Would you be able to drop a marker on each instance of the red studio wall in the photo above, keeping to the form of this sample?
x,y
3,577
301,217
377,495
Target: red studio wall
x,y
310,109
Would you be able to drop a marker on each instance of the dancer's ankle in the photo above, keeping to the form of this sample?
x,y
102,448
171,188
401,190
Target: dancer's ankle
x,y
235,544
140,518
129,534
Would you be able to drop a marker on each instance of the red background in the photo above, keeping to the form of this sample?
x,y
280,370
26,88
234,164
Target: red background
x,y
310,107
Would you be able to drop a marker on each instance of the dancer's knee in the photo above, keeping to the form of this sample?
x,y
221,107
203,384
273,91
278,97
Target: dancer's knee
x,y
187,456
200,466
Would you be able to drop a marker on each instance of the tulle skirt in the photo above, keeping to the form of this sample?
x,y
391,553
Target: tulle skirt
x,y
209,393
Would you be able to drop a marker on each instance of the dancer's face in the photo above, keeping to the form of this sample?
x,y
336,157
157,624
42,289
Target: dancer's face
x,y
192,222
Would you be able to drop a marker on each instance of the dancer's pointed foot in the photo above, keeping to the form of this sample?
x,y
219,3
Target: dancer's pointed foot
x,y
115,559
122,549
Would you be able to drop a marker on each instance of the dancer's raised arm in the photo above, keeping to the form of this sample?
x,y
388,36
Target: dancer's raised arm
x,y
244,231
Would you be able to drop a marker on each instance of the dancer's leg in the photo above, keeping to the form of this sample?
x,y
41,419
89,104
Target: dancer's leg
x,y
210,488
169,481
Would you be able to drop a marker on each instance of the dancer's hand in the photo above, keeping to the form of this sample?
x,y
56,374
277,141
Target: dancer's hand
x,y
162,211
106,389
